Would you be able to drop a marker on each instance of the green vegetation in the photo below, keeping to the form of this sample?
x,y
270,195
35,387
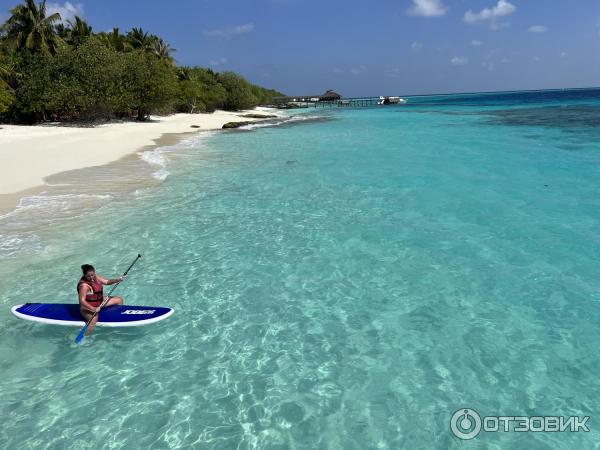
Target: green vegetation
x,y
6,97
65,72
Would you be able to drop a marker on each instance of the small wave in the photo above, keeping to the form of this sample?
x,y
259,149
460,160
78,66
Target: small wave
x,y
61,202
158,156
38,212
285,121
154,157
161,174
45,200
11,246
302,117
253,126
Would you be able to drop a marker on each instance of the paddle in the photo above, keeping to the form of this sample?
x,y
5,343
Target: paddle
x,y
81,336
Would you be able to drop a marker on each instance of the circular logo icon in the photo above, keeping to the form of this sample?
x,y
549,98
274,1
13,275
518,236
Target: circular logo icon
x,y
465,424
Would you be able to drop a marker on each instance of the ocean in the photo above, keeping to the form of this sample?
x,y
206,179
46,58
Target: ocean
x,y
347,279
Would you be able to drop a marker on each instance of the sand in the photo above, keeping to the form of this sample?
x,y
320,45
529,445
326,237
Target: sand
x,y
29,154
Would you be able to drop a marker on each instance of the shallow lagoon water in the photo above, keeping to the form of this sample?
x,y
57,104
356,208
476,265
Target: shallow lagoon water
x,y
343,283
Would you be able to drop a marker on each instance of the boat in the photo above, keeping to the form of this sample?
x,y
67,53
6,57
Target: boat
x,y
391,101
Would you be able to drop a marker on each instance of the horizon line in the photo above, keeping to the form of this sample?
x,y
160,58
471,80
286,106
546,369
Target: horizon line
x,y
484,92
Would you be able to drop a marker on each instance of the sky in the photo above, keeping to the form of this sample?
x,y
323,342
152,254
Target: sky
x,y
370,48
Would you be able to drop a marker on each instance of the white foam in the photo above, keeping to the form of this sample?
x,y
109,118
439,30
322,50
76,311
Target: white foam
x,y
154,157
303,117
61,199
161,174
158,156
287,120
59,202
253,126
11,246
40,212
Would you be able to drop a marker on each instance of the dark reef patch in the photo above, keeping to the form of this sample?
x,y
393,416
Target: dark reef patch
x,y
506,99
564,117
570,147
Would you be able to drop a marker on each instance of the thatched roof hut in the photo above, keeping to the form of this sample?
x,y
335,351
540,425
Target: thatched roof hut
x,y
330,96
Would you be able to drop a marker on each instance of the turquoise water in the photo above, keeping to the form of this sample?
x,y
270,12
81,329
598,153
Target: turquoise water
x,y
344,282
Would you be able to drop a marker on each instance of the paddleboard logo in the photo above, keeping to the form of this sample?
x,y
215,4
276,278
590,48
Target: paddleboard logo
x,y
139,311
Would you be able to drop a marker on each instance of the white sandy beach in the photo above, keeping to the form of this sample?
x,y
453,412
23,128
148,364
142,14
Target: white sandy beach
x,y
28,154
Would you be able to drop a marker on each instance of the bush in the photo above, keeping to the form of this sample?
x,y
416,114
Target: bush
x,y
6,97
150,86
75,84
6,94
93,82
239,92
101,76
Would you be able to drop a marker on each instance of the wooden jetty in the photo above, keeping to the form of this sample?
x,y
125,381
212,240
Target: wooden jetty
x,y
299,102
349,102
327,100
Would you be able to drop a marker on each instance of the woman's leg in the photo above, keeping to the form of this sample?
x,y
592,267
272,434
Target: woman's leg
x,y
115,301
87,315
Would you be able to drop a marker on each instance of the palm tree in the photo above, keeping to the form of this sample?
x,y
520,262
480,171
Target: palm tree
x,y
79,31
162,50
115,40
184,73
139,39
62,31
30,28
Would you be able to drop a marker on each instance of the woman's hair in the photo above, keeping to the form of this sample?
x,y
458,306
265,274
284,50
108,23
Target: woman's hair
x,y
87,268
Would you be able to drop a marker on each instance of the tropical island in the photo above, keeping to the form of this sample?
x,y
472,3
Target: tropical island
x,y
101,96
52,70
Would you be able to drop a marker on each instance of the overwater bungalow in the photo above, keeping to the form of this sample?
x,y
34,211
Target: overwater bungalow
x,y
330,96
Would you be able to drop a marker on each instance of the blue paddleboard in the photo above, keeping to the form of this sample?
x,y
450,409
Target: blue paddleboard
x,y
111,316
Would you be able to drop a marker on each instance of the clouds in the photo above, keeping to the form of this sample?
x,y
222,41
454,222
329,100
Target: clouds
x,y
218,62
230,31
492,15
427,8
394,72
358,70
503,8
67,11
459,61
537,29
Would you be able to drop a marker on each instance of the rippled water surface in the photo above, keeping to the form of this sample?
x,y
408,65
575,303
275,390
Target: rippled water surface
x,y
347,283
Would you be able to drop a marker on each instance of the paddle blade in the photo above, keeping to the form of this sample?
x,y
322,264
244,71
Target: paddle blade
x,y
81,336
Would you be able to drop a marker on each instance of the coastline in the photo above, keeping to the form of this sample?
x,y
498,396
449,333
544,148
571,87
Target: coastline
x,y
29,155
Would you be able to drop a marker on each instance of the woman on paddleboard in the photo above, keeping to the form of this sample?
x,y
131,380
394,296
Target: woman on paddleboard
x,y
91,296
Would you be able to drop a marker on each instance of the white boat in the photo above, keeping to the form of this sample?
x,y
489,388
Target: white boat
x,y
391,101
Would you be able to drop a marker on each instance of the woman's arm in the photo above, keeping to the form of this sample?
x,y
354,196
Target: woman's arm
x,y
108,282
